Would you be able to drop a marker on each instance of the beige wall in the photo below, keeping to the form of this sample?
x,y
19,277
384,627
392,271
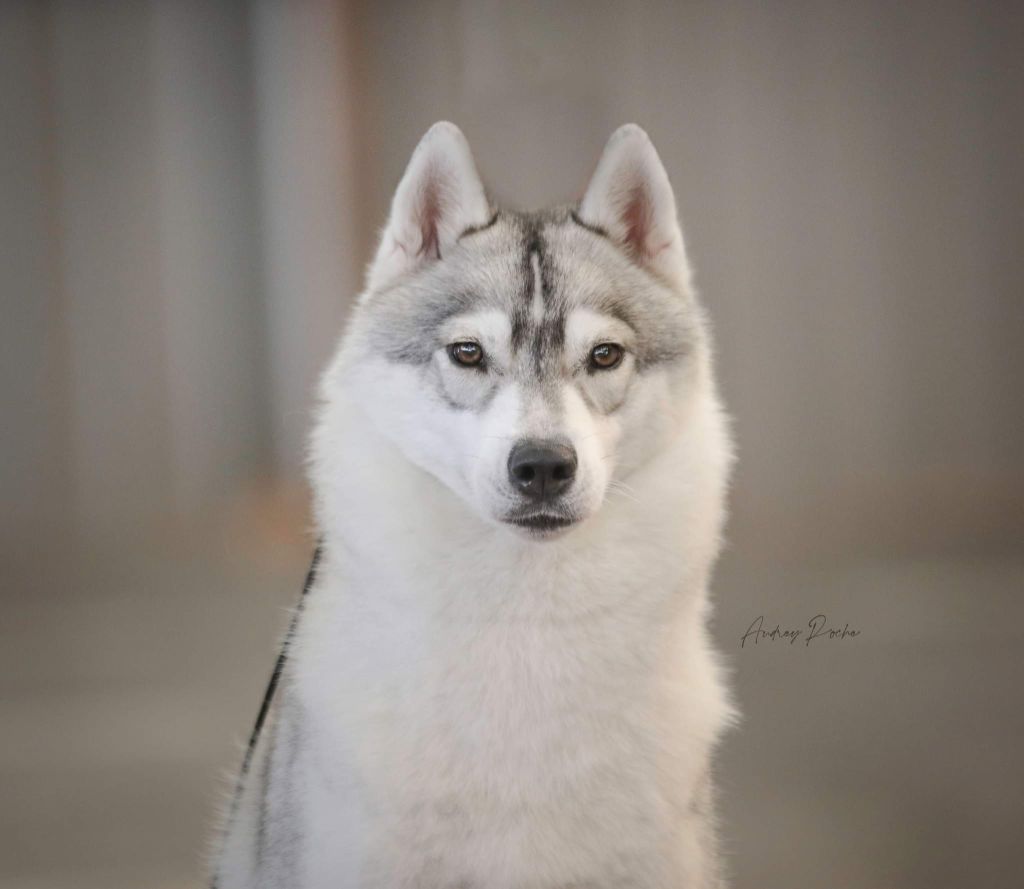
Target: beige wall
x,y
132,295
191,189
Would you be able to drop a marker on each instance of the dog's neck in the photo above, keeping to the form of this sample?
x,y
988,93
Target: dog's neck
x,y
389,524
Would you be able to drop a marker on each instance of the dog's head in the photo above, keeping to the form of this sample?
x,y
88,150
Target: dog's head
x,y
528,361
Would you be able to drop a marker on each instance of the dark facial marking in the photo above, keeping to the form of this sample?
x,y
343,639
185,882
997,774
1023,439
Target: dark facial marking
x,y
533,245
593,229
546,337
476,229
550,337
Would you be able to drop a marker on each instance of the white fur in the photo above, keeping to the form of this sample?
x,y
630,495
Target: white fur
x,y
440,192
476,708
630,186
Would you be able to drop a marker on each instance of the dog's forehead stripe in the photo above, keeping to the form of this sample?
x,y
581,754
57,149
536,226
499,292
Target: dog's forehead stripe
x,y
538,317
537,304
531,258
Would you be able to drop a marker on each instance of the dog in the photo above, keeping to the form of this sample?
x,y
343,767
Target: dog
x,y
501,677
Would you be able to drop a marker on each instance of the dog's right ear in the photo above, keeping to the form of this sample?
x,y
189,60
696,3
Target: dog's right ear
x,y
440,196
630,199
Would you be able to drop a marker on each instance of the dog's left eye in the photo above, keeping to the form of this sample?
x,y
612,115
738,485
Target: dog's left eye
x,y
605,356
466,354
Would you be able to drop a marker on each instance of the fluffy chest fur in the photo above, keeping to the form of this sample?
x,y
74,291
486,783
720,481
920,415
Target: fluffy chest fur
x,y
504,713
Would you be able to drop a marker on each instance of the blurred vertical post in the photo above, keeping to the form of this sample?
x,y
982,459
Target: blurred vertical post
x,y
209,264
305,72
182,240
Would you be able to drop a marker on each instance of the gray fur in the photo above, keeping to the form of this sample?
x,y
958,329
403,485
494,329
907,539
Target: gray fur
x,y
490,267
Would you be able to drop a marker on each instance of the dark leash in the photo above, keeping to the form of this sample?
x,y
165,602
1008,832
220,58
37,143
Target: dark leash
x,y
268,695
282,659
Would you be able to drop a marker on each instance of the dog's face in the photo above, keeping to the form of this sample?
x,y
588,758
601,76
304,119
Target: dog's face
x,y
528,361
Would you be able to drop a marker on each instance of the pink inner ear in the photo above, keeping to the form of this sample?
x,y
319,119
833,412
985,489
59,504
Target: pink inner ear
x,y
638,225
635,217
429,206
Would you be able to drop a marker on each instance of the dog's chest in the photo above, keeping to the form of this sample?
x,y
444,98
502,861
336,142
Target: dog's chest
x,y
517,692
474,734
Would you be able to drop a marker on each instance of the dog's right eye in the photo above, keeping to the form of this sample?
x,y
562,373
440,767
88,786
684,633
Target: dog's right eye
x,y
466,354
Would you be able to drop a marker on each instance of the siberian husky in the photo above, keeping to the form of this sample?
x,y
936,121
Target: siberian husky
x,y
501,677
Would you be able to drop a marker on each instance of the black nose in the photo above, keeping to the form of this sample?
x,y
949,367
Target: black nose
x,y
541,469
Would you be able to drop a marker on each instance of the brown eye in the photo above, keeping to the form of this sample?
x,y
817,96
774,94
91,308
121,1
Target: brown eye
x,y
605,356
467,354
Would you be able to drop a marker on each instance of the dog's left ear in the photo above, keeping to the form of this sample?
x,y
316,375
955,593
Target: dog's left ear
x,y
440,197
630,199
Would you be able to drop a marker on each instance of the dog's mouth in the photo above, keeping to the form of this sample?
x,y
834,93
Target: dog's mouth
x,y
541,524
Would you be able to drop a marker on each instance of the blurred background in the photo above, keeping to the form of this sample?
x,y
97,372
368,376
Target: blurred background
x,y
189,191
